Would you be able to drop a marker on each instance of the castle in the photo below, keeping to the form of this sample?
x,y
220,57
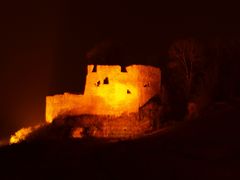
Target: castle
x,y
108,91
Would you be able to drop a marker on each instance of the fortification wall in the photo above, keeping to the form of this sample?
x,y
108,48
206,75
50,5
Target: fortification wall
x,y
108,92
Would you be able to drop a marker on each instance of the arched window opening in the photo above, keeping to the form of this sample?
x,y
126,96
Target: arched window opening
x,y
106,81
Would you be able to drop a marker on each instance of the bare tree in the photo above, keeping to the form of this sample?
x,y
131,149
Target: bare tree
x,y
186,55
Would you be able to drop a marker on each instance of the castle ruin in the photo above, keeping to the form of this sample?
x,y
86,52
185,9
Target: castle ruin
x,y
108,91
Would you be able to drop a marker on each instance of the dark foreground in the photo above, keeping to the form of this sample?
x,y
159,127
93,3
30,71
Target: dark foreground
x,y
208,148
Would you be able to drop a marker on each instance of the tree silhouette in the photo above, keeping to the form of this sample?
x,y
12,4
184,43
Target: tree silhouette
x,y
186,59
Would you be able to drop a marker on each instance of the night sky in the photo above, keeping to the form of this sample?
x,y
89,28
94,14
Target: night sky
x,y
44,44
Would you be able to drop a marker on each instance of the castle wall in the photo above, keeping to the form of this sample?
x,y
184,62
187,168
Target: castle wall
x,y
108,92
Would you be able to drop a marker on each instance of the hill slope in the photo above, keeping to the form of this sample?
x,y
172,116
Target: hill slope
x,y
207,148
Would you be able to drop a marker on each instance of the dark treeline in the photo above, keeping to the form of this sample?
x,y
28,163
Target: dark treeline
x,y
195,71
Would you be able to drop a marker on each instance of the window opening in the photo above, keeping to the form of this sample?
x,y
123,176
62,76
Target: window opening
x,y
123,69
94,68
147,85
106,81
97,83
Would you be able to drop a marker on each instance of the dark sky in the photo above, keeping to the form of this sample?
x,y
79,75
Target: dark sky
x,y
43,43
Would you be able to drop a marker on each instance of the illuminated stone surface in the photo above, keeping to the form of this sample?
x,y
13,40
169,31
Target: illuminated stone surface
x,y
112,93
124,93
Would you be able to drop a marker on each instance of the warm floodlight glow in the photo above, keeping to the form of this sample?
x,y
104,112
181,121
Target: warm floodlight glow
x,y
21,134
117,96
109,92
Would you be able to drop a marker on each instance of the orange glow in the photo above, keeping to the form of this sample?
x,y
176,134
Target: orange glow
x,y
109,92
116,95
77,133
124,92
21,134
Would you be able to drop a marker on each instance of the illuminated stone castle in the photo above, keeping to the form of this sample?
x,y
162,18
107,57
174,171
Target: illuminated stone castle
x,y
108,91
